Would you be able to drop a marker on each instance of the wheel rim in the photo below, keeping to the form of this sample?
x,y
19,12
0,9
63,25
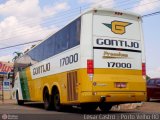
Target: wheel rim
x,y
46,100
57,101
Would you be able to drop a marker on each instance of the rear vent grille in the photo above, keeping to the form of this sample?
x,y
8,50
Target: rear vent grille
x,y
71,86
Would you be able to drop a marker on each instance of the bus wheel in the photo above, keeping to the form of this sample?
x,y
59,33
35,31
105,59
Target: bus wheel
x,y
46,99
19,102
56,100
105,107
89,107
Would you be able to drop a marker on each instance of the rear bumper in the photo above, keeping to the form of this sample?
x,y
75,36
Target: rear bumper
x,y
112,97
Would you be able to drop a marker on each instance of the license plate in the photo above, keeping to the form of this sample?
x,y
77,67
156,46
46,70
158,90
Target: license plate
x,y
120,85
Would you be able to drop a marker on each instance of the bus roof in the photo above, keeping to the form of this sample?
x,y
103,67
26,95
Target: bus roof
x,y
111,10
88,11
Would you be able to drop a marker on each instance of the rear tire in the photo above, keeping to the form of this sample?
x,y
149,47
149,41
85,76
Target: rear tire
x,y
56,100
46,99
105,107
19,102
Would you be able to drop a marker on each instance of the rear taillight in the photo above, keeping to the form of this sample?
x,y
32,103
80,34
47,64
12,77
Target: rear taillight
x,y
90,67
143,69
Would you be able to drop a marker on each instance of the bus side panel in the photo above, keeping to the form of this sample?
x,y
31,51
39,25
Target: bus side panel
x,y
36,86
31,85
54,72
61,80
24,85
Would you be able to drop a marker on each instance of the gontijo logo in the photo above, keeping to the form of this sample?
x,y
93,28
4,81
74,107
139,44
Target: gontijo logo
x,y
118,27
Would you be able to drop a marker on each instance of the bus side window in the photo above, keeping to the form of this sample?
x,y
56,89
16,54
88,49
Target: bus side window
x,y
65,38
75,33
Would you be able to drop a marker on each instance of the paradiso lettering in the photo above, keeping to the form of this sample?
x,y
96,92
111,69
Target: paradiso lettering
x,y
41,69
118,43
114,55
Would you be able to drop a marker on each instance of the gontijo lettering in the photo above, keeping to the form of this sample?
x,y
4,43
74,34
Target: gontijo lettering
x,y
118,43
41,69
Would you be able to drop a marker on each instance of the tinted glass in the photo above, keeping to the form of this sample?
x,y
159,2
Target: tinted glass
x,y
64,39
157,81
151,82
75,33
49,47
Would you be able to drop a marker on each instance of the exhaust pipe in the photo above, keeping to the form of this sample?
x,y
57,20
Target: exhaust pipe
x,y
103,99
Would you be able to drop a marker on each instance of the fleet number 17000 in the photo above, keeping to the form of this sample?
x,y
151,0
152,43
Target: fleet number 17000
x,y
118,65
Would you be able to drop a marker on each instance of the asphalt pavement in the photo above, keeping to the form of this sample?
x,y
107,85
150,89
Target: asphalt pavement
x,y
9,110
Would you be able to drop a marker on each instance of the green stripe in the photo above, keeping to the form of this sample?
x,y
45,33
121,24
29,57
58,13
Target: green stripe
x,y
24,85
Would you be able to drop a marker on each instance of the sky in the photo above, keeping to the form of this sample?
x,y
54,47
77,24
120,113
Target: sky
x,y
24,21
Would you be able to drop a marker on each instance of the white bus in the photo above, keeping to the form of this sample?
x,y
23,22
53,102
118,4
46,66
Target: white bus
x,y
97,60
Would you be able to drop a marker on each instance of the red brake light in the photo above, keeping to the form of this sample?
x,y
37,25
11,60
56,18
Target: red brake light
x,y
90,67
143,69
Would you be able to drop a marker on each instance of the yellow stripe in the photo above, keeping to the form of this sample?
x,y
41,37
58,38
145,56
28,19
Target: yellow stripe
x,y
117,71
108,76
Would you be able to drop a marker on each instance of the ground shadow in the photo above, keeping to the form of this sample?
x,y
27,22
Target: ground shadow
x,y
76,110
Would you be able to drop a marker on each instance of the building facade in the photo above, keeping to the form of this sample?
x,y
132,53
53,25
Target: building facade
x,y
5,84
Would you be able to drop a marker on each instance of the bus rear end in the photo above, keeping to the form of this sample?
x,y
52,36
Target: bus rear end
x,y
116,66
